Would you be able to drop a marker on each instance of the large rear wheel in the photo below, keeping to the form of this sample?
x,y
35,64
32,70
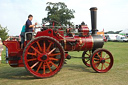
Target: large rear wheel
x,y
43,57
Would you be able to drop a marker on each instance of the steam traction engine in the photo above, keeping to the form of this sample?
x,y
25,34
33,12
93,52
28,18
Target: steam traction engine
x,y
44,55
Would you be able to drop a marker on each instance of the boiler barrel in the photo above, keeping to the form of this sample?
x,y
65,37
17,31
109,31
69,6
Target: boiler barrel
x,y
83,43
78,43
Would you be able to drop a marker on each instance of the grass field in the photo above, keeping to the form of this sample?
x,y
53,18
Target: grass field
x,y
74,72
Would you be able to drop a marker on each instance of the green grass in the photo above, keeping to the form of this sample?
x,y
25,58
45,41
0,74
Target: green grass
x,y
74,72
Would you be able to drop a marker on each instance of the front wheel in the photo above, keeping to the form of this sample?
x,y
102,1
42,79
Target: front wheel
x,y
101,60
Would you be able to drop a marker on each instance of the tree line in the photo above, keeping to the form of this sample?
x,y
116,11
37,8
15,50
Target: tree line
x,y
3,33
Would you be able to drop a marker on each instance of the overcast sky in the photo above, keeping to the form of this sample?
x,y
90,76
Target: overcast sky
x,y
112,14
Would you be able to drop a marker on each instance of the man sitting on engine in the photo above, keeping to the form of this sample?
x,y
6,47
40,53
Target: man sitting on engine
x,y
29,27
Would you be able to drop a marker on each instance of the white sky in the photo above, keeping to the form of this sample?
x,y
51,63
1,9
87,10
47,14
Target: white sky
x,y
112,14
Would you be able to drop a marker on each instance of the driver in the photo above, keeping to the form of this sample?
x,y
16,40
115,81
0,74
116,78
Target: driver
x,y
29,27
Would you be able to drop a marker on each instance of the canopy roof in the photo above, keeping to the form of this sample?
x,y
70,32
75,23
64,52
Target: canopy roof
x,y
124,31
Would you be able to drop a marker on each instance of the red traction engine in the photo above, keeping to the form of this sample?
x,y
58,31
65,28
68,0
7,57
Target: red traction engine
x,y
45,54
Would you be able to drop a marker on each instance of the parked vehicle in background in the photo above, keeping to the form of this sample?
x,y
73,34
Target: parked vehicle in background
x,y
111,37
121,38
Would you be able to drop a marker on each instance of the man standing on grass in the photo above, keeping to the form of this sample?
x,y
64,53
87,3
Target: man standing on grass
x,y
1,49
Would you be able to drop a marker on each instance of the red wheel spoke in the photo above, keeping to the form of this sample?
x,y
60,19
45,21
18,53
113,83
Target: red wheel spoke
x,y
105,55
87,54
35,50
31,53
53,59
87,60
107,62
39,46
54,54
39,67
97,65
49,46
90,52
32,59
34,65
44,47
97,62
104,65
48,66
99,55
53,64
51,51
96,59
44,68
107,58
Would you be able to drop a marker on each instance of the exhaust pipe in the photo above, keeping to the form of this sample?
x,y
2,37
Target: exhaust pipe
x,y
98,41
94,20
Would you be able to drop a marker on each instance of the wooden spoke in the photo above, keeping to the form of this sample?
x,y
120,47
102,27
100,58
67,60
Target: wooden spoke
x,y
98,55
49,46
35,50
107,58
48,66
87,54
105,55
34,65
39,46
97,65
44,47
44,68
53,59
96,59
87,60
107,62
39,67
31,53
101,54
90,52
53,64
51,51
55,54
97,62
33,59
102,67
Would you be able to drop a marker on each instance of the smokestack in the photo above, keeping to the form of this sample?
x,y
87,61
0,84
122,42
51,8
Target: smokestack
x,y
94,20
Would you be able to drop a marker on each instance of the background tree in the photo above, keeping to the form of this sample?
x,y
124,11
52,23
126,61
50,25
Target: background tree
x,y
3,33
112,32
117,32
59,12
